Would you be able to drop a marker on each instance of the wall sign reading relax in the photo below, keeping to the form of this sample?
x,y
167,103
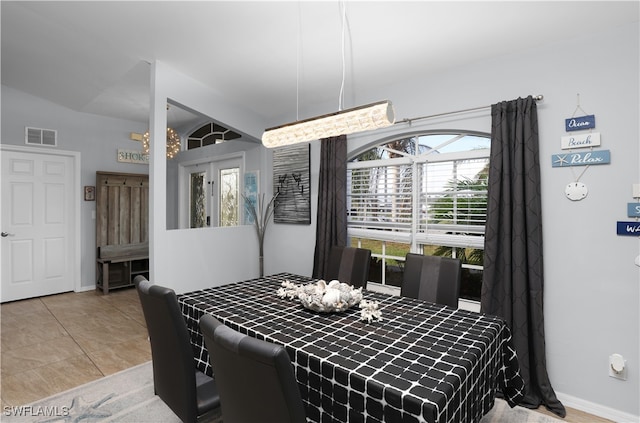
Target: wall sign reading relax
x,y
596,157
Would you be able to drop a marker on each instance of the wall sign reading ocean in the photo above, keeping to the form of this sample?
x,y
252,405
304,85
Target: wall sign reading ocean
x,y
580,123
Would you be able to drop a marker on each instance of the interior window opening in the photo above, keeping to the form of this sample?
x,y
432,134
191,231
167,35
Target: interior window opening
x,y
208,134
213,189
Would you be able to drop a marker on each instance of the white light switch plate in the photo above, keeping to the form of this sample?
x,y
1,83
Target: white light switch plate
x,y
636,190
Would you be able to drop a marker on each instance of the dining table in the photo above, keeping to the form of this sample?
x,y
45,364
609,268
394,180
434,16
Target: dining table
x,y
420,362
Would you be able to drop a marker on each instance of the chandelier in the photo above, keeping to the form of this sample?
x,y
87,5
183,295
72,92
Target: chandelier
x,y
173,143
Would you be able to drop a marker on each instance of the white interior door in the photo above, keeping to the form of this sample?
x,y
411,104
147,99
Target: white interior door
x,y
38,216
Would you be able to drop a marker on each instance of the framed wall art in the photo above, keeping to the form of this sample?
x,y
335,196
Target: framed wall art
x,y
251,190
89,193
292,182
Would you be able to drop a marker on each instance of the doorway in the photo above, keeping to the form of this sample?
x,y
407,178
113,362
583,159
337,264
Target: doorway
x,y
209,193
40,222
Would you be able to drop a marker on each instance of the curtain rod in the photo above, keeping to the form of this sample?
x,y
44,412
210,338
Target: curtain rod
x,y
538,97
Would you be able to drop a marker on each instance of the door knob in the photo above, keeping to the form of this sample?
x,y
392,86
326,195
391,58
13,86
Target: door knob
x,y
6,234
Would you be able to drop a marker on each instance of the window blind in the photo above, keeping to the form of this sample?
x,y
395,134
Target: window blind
x,y
453,201
441,202
380,198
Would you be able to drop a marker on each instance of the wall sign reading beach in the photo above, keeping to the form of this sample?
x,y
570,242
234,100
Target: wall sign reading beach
x,y
291,180
591,139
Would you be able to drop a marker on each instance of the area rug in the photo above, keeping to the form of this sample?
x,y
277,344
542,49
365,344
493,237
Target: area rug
x,y
502,413
128,396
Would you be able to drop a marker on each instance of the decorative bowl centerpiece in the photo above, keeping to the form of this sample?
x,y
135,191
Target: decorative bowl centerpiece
x,y
330,297
323,297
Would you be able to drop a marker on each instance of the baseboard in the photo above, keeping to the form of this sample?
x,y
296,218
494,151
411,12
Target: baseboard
x,y
86,288
597,409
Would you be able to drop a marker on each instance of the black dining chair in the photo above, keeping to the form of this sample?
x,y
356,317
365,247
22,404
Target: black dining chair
x,y
349,265
432,278
255,377
187,391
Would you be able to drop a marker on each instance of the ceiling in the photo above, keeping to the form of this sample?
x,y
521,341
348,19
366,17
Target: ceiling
x,y
264,56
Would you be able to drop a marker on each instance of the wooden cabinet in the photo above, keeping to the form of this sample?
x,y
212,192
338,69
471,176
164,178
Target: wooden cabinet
x,y
122,229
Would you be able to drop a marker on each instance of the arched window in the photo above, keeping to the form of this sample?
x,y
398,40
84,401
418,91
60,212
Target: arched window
x,y
210,133
426,194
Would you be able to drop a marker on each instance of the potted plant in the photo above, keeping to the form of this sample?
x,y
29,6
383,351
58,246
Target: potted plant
x,y
261,215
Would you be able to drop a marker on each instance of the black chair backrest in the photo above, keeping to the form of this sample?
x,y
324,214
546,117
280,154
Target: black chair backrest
x,y
255,378
174,376
349,265
432,278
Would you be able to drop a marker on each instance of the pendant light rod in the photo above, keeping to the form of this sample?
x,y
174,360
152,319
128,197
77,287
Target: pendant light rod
x,y
344,66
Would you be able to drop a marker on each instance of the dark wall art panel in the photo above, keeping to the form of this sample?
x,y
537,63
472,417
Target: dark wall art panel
x,y
291,180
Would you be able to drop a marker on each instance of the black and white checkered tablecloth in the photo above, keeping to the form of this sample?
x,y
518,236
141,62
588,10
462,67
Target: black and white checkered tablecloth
x,y
421,362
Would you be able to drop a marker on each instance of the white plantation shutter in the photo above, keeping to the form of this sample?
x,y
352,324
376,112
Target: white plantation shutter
x,y
432,197
380,198
452,203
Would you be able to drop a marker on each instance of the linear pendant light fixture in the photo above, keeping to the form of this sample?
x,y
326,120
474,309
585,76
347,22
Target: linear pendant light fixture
x,y
358,119
343,122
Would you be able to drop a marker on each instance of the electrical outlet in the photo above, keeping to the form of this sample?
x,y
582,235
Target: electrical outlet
x,y
617,367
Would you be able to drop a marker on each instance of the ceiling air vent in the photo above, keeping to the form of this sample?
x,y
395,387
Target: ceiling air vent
x,y
38,136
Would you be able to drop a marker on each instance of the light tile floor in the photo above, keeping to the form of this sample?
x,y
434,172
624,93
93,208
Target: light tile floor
x,y
54,343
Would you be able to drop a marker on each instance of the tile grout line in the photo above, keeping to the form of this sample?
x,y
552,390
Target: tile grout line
x,y
124,308
50,312
84,352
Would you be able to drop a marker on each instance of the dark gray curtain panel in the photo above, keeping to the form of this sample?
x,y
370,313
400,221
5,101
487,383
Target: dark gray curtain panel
x,y
331,227
513,270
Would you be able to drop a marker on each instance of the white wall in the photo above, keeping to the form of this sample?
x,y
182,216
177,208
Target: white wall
x,y
97,138
189,259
